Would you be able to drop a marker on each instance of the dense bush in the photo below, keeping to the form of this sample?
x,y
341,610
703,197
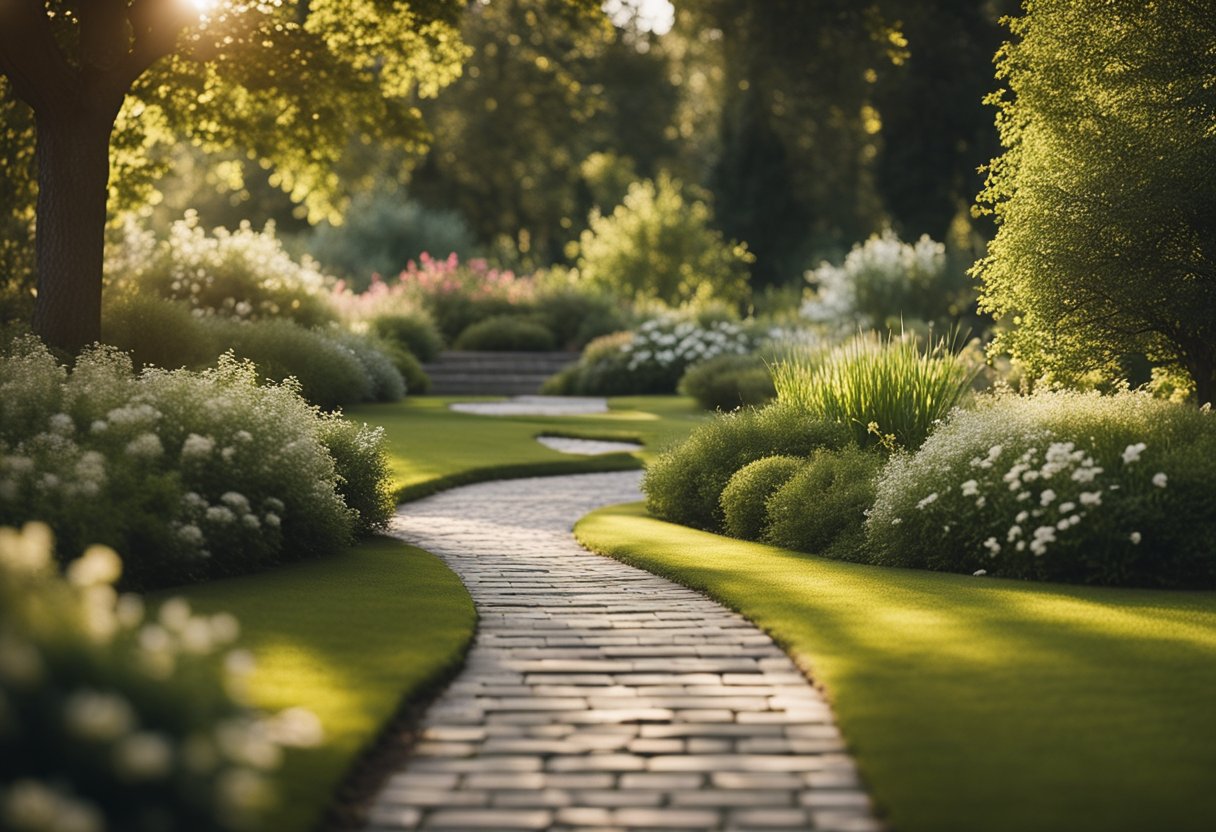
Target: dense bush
x,y
506,333
416,379
1057,486
415,331
575,314
728,381
686,481
157,332
363,476
885,390
885,283
653,358
192,475
333,366
822,508
382,232
114,720
387,383
453,293
746,494
242,274
657,246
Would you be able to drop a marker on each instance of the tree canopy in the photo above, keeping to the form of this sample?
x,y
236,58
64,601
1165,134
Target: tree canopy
x,y
1106,193
288,83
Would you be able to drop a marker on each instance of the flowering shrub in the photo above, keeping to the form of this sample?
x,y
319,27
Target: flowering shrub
x,y
652,358
455,294
1057,486
191,474
242,274
884,283
113,719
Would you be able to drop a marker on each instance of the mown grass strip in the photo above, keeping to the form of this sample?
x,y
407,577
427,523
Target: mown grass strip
x,y
974,703
350,637
433,448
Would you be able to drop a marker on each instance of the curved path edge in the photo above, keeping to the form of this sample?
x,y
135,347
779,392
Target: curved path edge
x,y
599,696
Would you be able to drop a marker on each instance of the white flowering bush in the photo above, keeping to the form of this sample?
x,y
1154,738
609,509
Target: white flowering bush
x,y
192,475
1057,486
885,283
112,718
653,358
242,274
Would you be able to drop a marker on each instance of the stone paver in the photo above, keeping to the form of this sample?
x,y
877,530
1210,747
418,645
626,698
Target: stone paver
x,y
598,696
586,447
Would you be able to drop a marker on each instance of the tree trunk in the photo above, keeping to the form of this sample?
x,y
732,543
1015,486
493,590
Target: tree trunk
x,y
73,156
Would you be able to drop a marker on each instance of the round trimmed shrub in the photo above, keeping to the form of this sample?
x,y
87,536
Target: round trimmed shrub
x,y
416,379
506,333
1058,486
686,481
726,382
822,508
743,500
415,332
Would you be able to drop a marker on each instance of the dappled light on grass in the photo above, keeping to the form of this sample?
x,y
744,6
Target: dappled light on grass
x,y
978,703
347,636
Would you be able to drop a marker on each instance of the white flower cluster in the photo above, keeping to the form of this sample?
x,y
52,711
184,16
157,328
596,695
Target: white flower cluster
x,y
884,263
1049,510
668,342
244,274
102,450
45,619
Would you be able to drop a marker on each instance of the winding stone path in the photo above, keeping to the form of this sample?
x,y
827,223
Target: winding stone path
x,y
598,696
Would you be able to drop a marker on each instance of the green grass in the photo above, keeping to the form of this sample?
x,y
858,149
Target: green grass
x,y
434,448
975,703
350,637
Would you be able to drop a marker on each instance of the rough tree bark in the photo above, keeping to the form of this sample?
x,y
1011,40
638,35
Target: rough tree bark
x,y
76,93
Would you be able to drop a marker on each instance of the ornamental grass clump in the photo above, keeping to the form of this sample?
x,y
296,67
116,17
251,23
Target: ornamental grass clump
x,y
1057,486
885,390
112,717
192,475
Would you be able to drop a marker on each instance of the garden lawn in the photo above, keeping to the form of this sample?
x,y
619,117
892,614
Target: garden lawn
x,y
432,448
973,703
346,637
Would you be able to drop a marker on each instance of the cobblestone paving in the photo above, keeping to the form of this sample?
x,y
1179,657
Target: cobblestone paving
x,y
598,696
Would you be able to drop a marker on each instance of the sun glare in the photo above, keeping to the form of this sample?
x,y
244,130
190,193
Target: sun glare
x,y
652,15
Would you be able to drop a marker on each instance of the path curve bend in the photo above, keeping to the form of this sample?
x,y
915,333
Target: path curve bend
x,y
599,696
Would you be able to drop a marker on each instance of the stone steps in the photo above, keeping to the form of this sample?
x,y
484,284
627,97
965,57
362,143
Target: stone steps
x,y
494,373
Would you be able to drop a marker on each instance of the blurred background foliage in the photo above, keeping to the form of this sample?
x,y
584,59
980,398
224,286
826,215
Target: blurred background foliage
x,y
804,127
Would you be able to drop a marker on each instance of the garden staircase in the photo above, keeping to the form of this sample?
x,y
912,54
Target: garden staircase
x,y
494,373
